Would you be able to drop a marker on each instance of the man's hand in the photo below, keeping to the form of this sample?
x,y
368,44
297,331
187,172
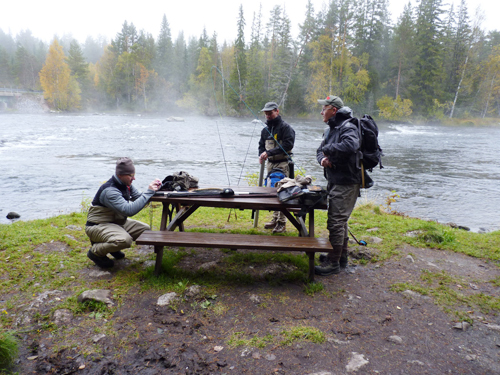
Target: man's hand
x,y
325,162
263,157
155,185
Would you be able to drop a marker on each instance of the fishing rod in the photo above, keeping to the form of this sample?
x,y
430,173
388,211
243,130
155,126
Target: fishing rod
x,y
289,157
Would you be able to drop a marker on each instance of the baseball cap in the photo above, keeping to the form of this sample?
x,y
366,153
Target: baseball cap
x,y
332,100
269,107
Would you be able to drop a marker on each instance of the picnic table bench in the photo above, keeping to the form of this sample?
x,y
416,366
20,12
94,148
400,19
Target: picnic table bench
x,y
266,200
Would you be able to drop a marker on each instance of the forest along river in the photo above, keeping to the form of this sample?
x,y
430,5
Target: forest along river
x,y
50,163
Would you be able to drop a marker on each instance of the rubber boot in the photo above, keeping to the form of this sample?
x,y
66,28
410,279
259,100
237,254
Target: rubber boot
x,y
271,224
345,254
102,262
280,228
330,265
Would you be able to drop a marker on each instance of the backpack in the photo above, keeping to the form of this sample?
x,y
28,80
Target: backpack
x,y
309,197
274,176
179,181
371,153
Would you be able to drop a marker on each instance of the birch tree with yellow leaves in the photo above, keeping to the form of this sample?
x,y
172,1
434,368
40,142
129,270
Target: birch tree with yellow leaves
x,y
336,71
60,89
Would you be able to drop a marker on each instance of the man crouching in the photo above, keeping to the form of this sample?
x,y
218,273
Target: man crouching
x,y
108,226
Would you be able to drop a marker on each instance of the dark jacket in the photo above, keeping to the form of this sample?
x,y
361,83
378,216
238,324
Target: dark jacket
x,y
277,130
340,147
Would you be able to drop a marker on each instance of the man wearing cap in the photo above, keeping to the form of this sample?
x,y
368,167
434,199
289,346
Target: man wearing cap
x,y
337,155
108,226
275,146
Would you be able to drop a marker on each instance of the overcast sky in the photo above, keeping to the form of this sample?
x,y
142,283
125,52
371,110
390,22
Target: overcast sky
x,y
46,18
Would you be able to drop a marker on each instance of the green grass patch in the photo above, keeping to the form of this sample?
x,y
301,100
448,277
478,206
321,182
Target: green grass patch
x,y
312,288
302,333
46,254
286,337
443,288
239,339
8,350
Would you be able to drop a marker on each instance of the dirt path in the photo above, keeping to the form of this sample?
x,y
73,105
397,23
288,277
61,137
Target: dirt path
x,y
368,329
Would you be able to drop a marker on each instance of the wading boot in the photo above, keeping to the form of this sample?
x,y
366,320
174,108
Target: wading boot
x,y
279,228
330,265
102,262
271,224
118,255
345,254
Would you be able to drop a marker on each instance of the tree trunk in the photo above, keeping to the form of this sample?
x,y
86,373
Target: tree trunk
x,y
489,96
458,88
399,78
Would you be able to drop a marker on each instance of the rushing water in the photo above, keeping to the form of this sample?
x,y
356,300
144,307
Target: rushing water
x,y
49,163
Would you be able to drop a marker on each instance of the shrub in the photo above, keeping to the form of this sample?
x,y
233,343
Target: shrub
x,y
8,349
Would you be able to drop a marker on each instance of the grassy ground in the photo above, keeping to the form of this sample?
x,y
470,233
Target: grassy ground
x,y
28,268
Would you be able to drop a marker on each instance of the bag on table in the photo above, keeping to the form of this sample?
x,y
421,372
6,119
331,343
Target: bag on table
x,y
308,197
179,181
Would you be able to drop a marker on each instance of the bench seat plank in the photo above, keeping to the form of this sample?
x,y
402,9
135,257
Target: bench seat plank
x,y
234,241
159,239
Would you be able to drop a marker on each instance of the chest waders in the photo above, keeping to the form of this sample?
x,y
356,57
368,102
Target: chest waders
x,y
279,161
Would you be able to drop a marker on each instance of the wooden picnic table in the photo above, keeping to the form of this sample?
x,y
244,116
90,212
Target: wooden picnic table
x,y
177,209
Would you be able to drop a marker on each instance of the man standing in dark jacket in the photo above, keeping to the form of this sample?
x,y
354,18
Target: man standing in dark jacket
x,y
275,146
108,226
337,155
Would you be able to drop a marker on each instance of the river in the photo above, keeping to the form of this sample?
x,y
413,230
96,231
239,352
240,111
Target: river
x,y
50,163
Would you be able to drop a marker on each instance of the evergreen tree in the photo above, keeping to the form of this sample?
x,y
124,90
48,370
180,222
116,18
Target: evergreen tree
x,y
76,62
144,49
278,55
402,54
460,45
282,70
93,50
238,77
203,84
25,71
426,86
180,64
164,55
105,78
255,89
371,35
125,39
7,43
490,88
6,79
80,71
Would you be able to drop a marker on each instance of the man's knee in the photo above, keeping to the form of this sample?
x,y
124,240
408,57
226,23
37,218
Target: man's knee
x,y
121,242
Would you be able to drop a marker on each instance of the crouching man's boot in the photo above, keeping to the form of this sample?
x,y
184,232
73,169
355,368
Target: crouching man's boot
x,y
270,224
345,254
330,264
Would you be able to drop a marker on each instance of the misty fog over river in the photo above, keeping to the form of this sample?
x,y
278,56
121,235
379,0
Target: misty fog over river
x,y
49,163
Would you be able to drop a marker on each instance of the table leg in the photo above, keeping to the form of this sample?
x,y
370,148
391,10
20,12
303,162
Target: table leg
x,y
182,214
311,266
299,224
311,223
165,213
181,224
159,259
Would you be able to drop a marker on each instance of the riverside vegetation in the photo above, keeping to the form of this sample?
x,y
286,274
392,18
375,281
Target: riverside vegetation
x,y
435,62
44,269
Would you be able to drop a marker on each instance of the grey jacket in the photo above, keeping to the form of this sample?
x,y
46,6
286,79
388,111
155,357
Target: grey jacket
x,y
114,202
